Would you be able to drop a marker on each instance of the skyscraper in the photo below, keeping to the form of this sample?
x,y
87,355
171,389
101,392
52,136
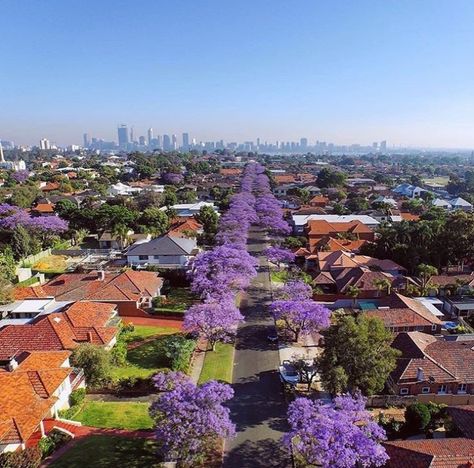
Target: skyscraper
x,y
132,138
2,158
303,143
45,144
166,143
86,142
150,136
185,141
383,146
122,131
174,142
141,140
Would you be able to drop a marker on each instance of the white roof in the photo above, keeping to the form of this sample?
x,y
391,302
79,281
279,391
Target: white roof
x,y
301,220
429,303
440,202
460,202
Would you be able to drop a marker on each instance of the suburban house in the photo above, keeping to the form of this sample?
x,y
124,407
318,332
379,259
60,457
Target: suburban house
x,y
169,251
82,322
301,220
432,365
319,201
25,310
408,190
35,386
440,452
407,315
322,233
187,228
130,290
189,209
458,306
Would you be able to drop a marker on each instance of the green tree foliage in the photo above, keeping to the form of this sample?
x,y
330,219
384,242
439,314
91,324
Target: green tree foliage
x,y
208,218
95,361
21,242
24,196
357,204
417,417
330,178
156,221
357,355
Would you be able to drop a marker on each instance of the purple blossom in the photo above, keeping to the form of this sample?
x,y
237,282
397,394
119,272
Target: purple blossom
x,y
340,435
221,269
279,255
12,216
301,317
173,178
20,176
295,290
215,321
190,418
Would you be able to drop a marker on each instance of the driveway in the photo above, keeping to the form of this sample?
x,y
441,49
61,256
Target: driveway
x,y
258,407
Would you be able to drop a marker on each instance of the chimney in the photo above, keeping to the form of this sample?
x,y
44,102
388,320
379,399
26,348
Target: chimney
x,y
420,375
101,275
12,364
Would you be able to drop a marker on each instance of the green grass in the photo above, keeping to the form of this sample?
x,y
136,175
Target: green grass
x,y
143,361
109,452
115,414
178,301
218,364
28,282
279,276
51,264
439,180
141,332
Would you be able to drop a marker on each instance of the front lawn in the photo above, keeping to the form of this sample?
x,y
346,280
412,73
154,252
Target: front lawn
x,y
177,301
143,361
218,364
109,452
142,332
115,414
51,264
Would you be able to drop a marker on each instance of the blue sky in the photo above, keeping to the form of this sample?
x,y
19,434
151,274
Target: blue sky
x,y
334,70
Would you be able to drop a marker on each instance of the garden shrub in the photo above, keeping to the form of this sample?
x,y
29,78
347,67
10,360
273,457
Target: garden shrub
x,y
417,417
55,439
118,354
178,350
77,397
28,458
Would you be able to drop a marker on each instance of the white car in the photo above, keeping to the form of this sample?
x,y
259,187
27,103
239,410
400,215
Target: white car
x,y
288,373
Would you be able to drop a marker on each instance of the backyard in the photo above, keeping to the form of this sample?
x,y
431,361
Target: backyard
x,y
115,414
51,264
109,452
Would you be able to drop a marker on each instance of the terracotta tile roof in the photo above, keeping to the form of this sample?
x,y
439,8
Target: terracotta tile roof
x,y
438,453
86,322
230,171
20,292
127,286
27,394
324,227
44,208
179,229
442,360
284,179
463,419
341,259
409,217
333,245
443,280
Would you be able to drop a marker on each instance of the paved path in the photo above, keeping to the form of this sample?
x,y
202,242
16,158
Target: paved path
x,y
258,407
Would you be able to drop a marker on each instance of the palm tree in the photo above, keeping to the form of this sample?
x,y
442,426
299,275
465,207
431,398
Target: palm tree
x,y
425,272
353,291
120,232
383,284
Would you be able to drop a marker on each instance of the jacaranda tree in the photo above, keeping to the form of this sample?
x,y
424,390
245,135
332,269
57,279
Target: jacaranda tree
x,y
189,418
215,321
301,316
279,255
341,435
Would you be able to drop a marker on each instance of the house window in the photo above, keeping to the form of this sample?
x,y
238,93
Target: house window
x,y
143,257
433,327
462,388
404,391
425,390
443,388
156,257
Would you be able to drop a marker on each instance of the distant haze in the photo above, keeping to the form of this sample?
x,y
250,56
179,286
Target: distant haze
x,y
341,71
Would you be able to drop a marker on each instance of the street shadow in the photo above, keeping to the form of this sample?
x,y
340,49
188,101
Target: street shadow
x,y
263,453
259,400
255,337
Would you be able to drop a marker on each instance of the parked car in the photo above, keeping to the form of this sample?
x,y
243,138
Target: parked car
x,y
288,373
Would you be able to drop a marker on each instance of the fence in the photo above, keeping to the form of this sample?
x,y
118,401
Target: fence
x,y
382,401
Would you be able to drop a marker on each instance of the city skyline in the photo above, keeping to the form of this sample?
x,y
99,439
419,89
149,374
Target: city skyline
x,y
341,71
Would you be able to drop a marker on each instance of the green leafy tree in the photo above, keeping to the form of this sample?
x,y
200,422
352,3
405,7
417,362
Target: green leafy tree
x,y
95,361
417,417
357,355
121,233
155,220
383,284
330,178
208,217
425,272
354,292
21,241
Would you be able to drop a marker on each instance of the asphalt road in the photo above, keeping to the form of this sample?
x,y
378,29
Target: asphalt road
x,y
258,408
